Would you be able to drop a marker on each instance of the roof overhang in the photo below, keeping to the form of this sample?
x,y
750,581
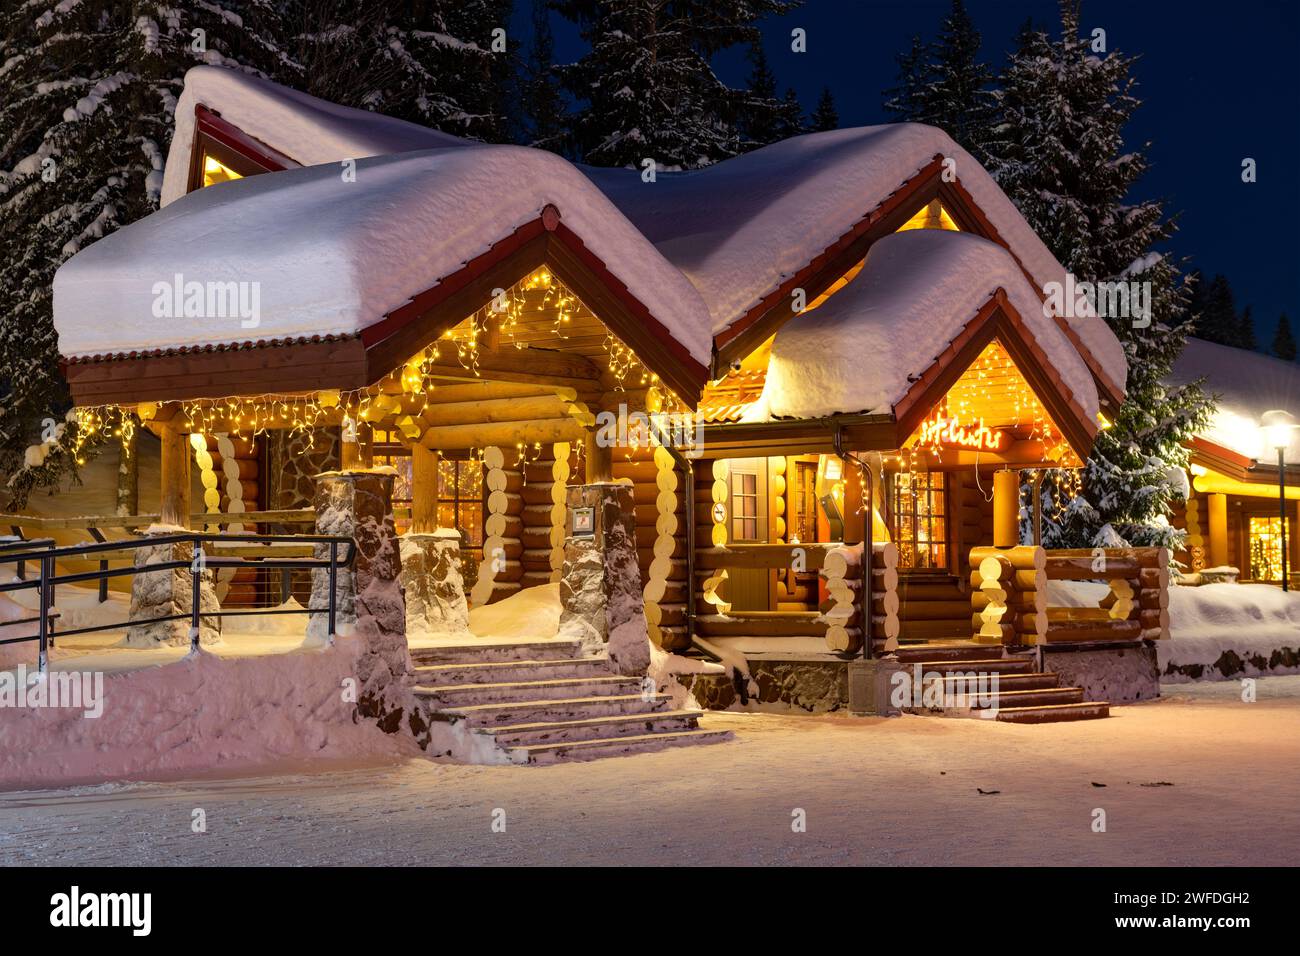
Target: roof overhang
x,y
354,362
764,319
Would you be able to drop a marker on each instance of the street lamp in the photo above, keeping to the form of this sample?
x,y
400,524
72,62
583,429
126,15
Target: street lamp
x,y
1278,426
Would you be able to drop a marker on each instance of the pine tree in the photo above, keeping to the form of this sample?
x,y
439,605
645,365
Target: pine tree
x,y
431,62
793,115
1068,171
86,99
1283,340
944,84
763,117
542,102
1215,313
646,86
1246,330
824,117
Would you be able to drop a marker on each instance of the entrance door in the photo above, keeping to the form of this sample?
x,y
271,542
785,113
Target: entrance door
x,y
748,589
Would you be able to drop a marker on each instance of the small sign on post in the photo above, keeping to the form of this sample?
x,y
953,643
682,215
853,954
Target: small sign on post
x,y
584,522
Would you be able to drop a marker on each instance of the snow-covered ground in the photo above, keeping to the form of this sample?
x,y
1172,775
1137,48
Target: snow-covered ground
x,y
1196,778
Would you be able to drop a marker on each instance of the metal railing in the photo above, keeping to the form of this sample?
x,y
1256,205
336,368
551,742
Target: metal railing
x,y
45,554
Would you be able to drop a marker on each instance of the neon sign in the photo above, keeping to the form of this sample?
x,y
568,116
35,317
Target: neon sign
x,y
954,433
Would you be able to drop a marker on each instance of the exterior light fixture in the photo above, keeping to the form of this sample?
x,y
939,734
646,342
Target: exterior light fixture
x,y
1278,427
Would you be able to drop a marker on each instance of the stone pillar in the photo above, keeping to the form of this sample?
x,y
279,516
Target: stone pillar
x,y
432,584
600,584
1006,508
1218,517
161,593
358,504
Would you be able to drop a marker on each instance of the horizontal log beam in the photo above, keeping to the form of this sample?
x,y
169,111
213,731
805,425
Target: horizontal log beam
x,y
507,434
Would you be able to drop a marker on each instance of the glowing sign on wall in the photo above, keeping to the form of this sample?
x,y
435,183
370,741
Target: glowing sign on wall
x,y
952,432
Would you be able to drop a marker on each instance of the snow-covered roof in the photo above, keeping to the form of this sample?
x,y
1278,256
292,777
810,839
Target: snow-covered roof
x,y
331,257
740,228
1247,385
304,128
697,249
915,294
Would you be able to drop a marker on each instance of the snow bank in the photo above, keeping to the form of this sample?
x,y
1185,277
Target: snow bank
x,y
201,714
740,228
307,130
1216,631
1248,385
916,292
329,257
531,614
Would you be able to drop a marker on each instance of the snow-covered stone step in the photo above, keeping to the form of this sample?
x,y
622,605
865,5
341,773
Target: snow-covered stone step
x,y
592,728
454,695
536,711
614,746
486,652
496,672
1052,713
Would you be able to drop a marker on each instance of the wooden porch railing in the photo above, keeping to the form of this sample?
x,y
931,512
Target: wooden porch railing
x,y
837,620
1009,601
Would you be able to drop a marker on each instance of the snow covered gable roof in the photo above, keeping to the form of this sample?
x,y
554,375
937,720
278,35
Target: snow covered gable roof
x,y
1247,385
743,227
307,130
863,349
331,257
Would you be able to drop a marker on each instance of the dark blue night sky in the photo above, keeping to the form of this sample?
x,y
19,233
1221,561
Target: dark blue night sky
x,y
1218,80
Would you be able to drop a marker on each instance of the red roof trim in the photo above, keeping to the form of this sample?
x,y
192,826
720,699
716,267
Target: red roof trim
x,y
232,137
839,245
207,347
1219,451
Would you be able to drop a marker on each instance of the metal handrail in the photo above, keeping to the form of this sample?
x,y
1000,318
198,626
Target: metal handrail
x,y
46,554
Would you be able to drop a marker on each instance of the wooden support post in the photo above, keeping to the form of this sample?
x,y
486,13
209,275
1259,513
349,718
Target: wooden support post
x,y
424,489
366,441
600,459
174,501
1006,508
349,446
1218,508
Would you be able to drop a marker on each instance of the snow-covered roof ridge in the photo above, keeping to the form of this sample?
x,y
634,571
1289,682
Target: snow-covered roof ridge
x,y
328,256
1247,384
860,351
305,128
740,228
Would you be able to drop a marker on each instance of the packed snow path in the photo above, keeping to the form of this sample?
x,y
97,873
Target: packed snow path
x,y
905,791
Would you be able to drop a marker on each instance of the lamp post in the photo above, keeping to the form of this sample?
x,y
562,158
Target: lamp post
x,y
1278,426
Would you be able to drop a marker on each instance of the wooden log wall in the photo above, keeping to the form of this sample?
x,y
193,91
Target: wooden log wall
x,y
658,494
1008,594
1137,606
842,572
501,571
885,602
543,489
971,514
230,472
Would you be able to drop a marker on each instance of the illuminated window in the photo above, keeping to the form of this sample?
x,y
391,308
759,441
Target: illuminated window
x,y
215,171
920,520
1266,548
744,506
390,451
460,501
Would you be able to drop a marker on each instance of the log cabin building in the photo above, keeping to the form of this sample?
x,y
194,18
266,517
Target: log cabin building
x,y
838,339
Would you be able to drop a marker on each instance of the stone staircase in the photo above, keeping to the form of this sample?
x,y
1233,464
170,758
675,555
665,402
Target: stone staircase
x,y
540,702
1024,695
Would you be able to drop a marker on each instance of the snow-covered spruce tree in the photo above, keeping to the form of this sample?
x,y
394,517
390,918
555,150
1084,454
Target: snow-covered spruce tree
x,y
765,118
646,87
87,93
945,84
824,117
435,62
1065,166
